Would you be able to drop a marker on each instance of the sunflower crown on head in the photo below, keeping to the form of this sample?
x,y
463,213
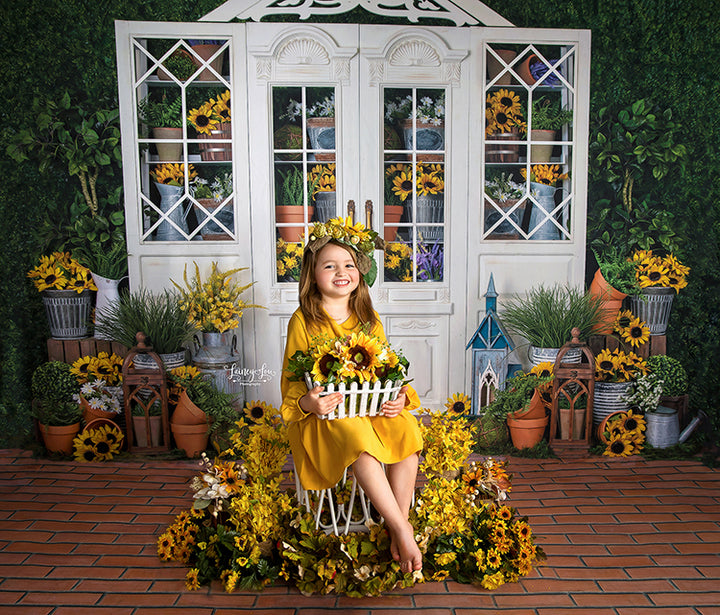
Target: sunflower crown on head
x,y
659,271
356,236
358,357
60,271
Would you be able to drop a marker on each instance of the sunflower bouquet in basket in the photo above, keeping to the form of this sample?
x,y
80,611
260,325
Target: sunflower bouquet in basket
x,y
60,271
357,357
652,270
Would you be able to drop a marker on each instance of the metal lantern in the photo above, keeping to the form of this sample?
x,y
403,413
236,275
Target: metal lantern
x,y
146,388
570,426
491,348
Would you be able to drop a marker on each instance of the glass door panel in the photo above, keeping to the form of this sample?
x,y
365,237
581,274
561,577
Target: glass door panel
x,y
184,115
529,129
414,188
304,169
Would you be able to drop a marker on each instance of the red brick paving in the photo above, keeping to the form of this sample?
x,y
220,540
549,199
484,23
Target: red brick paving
x,y
624,537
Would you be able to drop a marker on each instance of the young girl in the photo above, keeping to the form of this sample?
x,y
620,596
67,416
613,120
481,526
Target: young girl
x,y
335,300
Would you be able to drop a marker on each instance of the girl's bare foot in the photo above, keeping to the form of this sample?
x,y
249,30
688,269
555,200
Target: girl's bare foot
x,y
405,550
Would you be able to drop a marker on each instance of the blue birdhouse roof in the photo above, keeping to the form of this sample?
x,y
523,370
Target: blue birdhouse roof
x,y
491,333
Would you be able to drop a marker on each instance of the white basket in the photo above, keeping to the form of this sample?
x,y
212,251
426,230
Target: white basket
x,y
359,401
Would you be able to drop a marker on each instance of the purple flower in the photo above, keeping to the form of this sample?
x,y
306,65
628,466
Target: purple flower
x,y
539,68
429,262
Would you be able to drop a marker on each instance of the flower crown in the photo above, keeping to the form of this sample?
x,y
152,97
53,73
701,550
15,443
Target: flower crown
x,y
363,240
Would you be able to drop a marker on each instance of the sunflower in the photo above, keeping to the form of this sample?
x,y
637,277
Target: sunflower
x,y
257,410
605,364
636,334
222,110
623,320
83,452
172,174
508,100
459,403
191,579
361,356
403,185
81,369
543,370
51,278
202,119
471,481
656,274
619,446
230,475
429,183
502,120
630,423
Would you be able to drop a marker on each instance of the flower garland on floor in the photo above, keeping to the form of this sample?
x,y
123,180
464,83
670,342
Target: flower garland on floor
x,y
248,531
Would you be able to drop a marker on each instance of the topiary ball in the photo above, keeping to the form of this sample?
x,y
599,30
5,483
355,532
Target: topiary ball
x,y
492,431
288,137
53,381
671,372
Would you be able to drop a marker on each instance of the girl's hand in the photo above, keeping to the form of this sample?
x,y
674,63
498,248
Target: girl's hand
x,y
314,403
394,407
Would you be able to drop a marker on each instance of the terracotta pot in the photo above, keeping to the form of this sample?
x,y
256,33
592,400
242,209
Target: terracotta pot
x,y
611,302
193,439
526,433
59,438
578,423
534,409
392,215
206,52
494,67
187,413
90,413
290,214
524,69
97,423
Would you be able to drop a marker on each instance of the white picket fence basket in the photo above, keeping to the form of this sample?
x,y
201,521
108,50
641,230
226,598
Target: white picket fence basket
x,y
360,400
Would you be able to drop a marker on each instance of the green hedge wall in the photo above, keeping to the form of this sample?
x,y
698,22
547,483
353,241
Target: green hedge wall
x,y
662,50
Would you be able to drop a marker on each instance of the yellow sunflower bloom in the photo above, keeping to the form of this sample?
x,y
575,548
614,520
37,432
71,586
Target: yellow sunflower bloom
x,y
619,446
429,183
623,320
605,364
258,410
361,356
403,185
543,370
202,119
80,369
508,100
51,278
458,403
636,333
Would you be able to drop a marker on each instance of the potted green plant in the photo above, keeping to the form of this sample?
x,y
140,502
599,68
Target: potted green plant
x,y
203,411
164,117
214,196
53,388
289,203
547,118
546,315
180,64
159,316
613,281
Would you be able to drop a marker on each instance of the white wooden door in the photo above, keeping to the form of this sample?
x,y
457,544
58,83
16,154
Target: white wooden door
x,y
365,69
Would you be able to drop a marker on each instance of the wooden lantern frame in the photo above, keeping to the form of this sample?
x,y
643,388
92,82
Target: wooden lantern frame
x,y
572,381
145,387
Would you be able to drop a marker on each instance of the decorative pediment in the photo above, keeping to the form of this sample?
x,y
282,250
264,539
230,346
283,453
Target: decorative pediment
x,y
459,12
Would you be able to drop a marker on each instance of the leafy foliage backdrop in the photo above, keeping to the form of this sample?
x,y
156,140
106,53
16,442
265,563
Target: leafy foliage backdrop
x,y
661,50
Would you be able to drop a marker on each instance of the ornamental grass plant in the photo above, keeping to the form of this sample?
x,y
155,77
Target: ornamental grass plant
x,y
547,314
159,316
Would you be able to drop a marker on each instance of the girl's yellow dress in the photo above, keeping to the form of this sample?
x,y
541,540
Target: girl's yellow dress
x,y
322,449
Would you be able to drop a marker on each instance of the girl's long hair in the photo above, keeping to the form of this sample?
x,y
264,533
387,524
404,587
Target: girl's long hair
x,y
311,299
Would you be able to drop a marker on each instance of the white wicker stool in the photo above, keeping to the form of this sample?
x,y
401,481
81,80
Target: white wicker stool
x,y
342,520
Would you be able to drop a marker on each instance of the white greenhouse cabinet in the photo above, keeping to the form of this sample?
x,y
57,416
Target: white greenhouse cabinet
x,y
312,120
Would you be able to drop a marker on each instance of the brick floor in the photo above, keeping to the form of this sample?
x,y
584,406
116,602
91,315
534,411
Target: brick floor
x,y
623,537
